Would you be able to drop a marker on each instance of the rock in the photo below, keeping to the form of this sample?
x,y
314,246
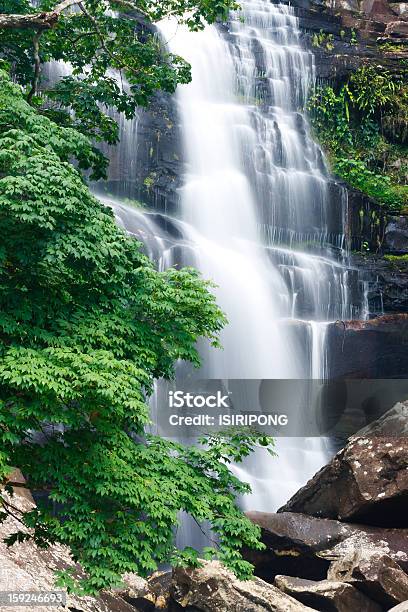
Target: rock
x,y
159,585
386,282
326,595
366,222
396,231
376,348
303,546
365,482
373,573
397,28
393,423
24,567
402,607
213,588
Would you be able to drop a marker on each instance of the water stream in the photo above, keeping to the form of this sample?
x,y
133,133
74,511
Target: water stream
x,y
259,215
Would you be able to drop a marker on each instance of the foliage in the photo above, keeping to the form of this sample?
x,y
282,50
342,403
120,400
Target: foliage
x,y
361,125
86,325
397,259
321,39
116,58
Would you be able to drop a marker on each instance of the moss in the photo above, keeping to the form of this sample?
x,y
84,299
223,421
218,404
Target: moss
x,y
391,47
397,258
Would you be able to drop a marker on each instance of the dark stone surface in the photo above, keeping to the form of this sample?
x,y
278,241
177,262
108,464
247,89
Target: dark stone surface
x,y
377,348
303,546
396,235
150,170
366,482
387,282
366,222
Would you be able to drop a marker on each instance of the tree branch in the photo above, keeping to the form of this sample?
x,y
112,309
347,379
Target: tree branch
x,y
37,65
38,21
47,20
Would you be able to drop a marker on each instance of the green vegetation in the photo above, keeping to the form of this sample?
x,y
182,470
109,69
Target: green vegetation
x,y
321,39
97,37
86,322
397,258
364,128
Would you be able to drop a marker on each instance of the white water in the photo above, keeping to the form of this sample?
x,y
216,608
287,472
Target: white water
x,y
258,216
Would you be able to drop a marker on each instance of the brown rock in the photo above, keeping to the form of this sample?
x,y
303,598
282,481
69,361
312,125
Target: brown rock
x,y
397,28
365,482
301,545
24,567
213,588
326,595
373,573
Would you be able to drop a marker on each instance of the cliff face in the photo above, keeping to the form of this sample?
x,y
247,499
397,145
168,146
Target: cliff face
x,y
346,35
357,32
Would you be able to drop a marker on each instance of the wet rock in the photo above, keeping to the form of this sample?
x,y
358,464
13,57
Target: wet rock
x,y
326,595
365,482
303,546
366,222
396,232
373,573
213,588
387,282
376,348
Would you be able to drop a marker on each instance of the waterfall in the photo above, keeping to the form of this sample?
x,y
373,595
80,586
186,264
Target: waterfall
x,y
256,206
256,193
259,214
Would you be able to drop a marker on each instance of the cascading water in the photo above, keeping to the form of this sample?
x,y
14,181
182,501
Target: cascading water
x,y
256,201
259,215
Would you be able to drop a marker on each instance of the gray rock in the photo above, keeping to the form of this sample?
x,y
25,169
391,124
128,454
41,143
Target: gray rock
x,y
393,423
326,595
213,588
373,573
397,28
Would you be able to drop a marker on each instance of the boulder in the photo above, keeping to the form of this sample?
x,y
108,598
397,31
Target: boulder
x,y
213,588
25,567
396,231
326,595
365,482
303,546
402,607
399,29
373,573
393,423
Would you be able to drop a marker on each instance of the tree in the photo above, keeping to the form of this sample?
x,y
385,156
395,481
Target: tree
x,y
86,325
117,60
